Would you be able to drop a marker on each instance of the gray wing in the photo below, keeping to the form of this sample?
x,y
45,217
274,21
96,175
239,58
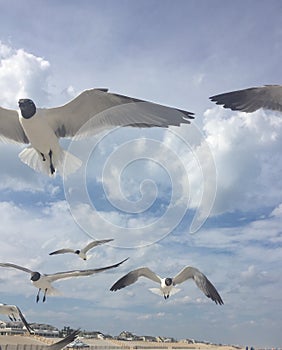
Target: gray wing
x,y
109,110
27,326
79,273
94,244
62,343
16,267
10,127
201,281
249,100
62,251
133,276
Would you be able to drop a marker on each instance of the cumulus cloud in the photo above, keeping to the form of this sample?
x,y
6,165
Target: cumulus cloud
x,y
246,149
22,74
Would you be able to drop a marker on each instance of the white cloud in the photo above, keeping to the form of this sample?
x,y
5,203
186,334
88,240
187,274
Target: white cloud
x,y
246,150
22,74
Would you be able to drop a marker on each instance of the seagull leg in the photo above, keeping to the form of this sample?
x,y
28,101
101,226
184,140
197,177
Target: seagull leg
x,y
51,164
44,297
43,157
37,296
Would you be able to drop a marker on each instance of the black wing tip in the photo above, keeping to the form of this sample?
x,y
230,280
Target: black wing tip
x,y
219,102
188,115
216,299
116,287
213,98
216,99
123,261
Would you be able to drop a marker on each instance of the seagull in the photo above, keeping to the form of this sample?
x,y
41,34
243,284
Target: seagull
x,y
251,99
167,285
81,252
14,313
62,343
44,281
42,128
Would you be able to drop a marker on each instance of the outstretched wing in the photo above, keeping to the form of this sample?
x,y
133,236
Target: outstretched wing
x,y
201,281
133,276
62,343
27,326
107,110
62,251
80,273
16,267
251,99
10,127
94,244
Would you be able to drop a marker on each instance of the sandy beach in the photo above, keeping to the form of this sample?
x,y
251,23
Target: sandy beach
x,y
109,344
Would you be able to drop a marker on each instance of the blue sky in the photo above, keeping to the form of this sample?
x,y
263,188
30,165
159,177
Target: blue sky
x,y
144,187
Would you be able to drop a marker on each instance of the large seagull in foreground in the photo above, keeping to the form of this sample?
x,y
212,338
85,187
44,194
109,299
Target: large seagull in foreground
x,y
41,128
167,285
44,281
251,99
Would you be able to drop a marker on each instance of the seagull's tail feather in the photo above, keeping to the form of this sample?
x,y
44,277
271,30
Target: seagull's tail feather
x,y
67,163
156,291
54,291
174,291
159,292
33,159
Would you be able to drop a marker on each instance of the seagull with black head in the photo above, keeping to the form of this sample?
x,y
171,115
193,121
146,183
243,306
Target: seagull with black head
x,y
89,113
167,284
43,282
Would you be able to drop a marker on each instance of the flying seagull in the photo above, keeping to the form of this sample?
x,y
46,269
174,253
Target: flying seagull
x,y
251,99
42,128
62,343
14,313
44,281
167,285
81,252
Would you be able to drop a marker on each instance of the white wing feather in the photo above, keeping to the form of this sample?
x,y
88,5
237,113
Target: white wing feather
x,y
10,127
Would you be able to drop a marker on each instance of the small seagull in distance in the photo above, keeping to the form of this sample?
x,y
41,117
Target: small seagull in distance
x,y
44,281
167,285
81,252
42,128
251,99
14,313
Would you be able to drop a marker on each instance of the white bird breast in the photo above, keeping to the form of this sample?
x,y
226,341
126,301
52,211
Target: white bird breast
x,y
40,134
